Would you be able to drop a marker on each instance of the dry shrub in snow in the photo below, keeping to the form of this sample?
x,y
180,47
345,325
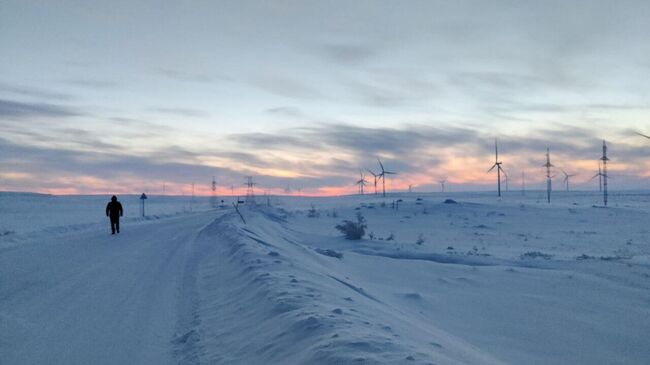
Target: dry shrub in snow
x,y
420,239
353,230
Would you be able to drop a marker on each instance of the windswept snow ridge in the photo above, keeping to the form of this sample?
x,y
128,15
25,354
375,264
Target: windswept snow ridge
x,y
275,299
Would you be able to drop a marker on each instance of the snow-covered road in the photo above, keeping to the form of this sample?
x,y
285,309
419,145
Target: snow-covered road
x,y
93,298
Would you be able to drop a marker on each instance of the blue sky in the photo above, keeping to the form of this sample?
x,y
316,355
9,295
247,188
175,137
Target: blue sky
x,y
128,95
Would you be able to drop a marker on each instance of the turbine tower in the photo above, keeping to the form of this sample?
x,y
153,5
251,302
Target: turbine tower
x,y
442,184
376,177
382,176
566,178
548,166
497,164
361,182
604,159
523,182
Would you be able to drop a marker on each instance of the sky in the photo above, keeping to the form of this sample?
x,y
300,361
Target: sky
x,y
128,96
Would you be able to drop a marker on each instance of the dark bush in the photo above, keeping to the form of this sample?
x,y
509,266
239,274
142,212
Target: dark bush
x,y
353,230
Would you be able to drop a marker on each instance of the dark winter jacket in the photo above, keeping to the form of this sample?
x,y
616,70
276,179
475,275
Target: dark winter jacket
x,y
114,209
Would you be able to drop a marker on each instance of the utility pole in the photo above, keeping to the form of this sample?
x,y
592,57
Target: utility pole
x,y
250,193
604,159
143,197
214,192
192,199
548,166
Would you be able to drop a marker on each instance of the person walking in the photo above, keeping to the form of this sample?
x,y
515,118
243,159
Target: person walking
x,y
114,212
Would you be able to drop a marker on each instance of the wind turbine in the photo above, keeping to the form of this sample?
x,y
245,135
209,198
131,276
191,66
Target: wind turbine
x,y
566,178
361,182
382,176
376,178
642,135
442,184
599,175
604,159
548,166
497,164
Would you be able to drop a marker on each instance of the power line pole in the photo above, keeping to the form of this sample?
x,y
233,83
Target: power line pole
x,y
250,193
548,166
604,159
192,199
214,193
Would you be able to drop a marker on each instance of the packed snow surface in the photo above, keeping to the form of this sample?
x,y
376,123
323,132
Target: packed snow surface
x,y
462,278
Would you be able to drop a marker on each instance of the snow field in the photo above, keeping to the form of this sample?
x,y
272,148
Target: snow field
x,y
481,281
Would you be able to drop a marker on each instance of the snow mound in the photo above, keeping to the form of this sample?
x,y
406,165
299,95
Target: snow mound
x,y
286,303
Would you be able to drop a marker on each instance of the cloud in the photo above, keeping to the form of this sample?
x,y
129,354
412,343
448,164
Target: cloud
x,y
11,109
415,148
360,145
185,76
111,167
390,88
285,111
326,155
286,87
34,92
140,127
93,83
55,136
182,112
348,53
265,141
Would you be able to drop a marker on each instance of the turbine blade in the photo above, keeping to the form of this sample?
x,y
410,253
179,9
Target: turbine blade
x,y
642,135
380,164
492,168
504,171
